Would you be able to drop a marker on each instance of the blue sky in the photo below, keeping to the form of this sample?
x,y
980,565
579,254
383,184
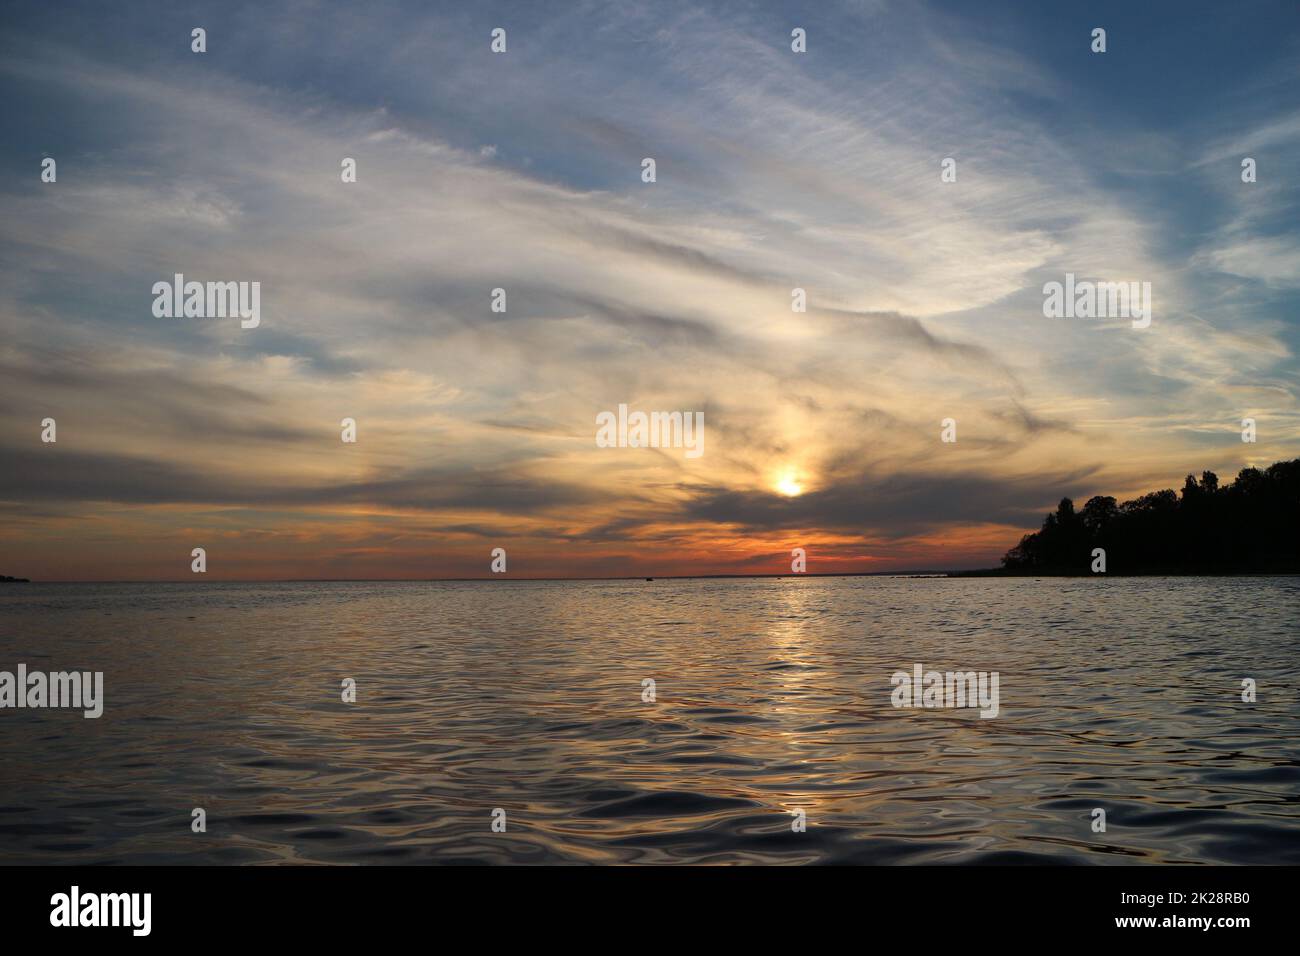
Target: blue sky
x,y
522,170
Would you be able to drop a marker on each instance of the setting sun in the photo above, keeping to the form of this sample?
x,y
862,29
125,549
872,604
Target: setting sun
x,y
789,486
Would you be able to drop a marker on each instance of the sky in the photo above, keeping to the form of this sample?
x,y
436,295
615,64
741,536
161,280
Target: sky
x,y
522,170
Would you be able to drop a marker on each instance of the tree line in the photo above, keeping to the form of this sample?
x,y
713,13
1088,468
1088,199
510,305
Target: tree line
x,y
1251,525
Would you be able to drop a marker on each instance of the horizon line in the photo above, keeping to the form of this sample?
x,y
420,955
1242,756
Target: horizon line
x,y
955,573
499,577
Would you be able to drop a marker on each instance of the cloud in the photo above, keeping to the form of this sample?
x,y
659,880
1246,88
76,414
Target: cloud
x,y
1274,260
522,172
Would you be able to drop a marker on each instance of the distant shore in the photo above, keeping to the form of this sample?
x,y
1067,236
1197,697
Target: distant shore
x,y
1148,573
971,573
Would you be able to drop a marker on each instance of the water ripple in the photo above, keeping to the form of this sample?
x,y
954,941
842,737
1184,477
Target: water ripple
x,y
771,697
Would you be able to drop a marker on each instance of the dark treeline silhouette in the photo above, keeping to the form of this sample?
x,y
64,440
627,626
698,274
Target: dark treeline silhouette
x,y
1251,525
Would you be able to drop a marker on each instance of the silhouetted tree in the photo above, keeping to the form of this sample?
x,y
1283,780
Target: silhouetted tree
x,y
1251,524
1098,513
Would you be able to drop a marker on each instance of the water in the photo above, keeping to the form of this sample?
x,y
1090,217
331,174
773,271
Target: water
x,y
772,695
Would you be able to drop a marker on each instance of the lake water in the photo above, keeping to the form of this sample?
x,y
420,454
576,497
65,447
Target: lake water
x,y
771,696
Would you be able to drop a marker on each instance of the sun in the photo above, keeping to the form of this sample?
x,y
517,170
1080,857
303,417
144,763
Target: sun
x,y
789,486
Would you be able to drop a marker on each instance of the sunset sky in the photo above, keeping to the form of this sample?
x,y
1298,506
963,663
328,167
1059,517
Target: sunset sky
x,y
522,171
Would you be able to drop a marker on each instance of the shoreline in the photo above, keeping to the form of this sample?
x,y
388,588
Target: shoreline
x,y
650,579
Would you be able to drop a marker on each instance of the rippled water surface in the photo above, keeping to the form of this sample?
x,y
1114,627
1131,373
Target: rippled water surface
x,y
772,695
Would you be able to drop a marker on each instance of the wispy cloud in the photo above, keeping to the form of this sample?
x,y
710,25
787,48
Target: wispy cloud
x,y
819,171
